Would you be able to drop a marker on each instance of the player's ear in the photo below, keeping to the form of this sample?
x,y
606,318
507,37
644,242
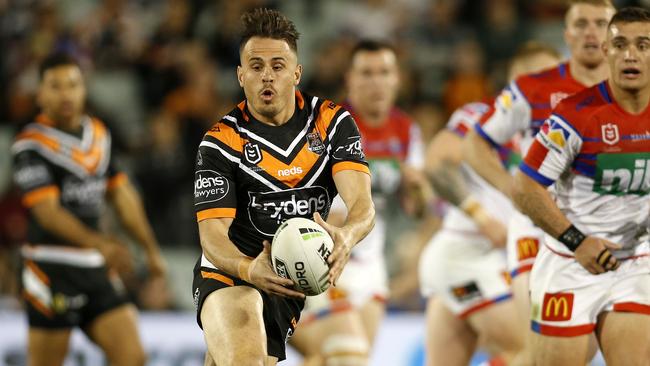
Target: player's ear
x,y
240,76
297,75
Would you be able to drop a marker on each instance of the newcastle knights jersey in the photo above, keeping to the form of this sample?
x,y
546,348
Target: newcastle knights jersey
x,y
262,175
77,169
598,157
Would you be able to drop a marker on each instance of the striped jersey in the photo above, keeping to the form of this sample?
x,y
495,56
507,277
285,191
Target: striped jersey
x,y
262,175
598,156
77,169
524,105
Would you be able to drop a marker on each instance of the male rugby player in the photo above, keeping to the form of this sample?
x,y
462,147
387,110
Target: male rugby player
x,y
522,107
592,275
64,167
341,323
279,154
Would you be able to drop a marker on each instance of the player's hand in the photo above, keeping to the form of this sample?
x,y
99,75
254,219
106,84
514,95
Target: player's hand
x,y
116,255
262,275
595,256
494,230
342,248
156,264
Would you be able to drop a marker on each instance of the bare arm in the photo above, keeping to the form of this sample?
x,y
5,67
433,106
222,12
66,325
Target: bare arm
x,y
479,155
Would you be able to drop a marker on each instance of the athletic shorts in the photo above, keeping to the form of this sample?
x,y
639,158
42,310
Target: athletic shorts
x,y
65,296
465,271
566,299
280,314
524,240
361,281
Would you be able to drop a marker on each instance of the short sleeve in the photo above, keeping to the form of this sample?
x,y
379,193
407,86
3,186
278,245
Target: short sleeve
x,y
116,176
214,181
34,178
510,114
346,149
415,154
555,147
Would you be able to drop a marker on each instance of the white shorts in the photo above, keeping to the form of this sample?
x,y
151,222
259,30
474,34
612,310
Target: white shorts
x,y
465,271
524,241
361,281
566,299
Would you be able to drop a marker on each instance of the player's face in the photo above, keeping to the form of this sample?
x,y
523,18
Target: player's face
x,y
269,74
586,28
373,79
628,54
533,63
62,92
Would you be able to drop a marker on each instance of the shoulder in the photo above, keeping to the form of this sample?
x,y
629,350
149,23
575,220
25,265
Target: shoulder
x,y
578,109
538,85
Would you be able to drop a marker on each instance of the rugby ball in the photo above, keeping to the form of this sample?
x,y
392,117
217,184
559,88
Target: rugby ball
x,y
299,252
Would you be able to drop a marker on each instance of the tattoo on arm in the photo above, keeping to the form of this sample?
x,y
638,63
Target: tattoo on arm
x,y
448,182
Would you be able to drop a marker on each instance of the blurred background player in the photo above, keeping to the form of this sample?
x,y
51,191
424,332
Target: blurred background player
x,y
346,317
463,268
64,168
522,107
277,147
592,275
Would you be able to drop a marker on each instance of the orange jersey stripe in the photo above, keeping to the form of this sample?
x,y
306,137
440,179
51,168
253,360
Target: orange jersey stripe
x,y
36,303
219,277
38,272
30,199
304,160
226,135
349,165
116,181
216,213
43,139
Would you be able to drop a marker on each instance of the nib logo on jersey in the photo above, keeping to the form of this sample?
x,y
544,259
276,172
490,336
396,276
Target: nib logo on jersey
x,y
209,186
267,210
621,174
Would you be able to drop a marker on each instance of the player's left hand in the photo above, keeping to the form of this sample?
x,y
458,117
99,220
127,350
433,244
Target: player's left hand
x,y
595,256
156,264
342,248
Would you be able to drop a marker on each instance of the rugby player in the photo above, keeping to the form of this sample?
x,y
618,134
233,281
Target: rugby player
x,y
592,274
278,154
344,319
522,107
64,166
463,268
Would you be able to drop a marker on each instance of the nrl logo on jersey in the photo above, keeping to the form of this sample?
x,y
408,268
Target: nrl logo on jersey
x,y
252,153
610,133
315,143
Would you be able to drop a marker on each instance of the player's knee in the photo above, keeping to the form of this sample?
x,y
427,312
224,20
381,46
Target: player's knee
x,y
345,350
129,356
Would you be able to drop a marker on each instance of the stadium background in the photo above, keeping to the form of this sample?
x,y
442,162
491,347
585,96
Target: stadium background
x,y
158,73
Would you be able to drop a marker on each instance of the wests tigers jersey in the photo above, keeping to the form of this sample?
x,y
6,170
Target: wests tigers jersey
x,y
78,170
262,175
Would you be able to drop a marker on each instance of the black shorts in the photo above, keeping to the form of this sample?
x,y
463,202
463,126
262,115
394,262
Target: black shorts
x,y
64,296
280,314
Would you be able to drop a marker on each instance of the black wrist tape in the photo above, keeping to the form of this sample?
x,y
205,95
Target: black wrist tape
x,y
572,238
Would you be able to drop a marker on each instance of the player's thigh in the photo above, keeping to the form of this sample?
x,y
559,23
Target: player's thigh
x,y
372,313
116,333
625,338
233,324
449,340
560,351
499,329
521,297
47,347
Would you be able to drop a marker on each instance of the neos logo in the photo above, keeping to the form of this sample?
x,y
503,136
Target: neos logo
x,y
209,186
268,210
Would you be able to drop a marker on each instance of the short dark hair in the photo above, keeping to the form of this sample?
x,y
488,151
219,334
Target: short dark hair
x,y
268,23
370,45
630,15
56,60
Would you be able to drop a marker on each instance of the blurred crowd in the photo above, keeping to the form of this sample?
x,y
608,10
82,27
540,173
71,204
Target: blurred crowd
x,y
159,72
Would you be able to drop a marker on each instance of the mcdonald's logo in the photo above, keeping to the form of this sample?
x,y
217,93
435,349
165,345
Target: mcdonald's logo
x,y
557,307
527,248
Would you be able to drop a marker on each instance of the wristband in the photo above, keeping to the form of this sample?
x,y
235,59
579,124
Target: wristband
x,y
244,269
572,238
473,209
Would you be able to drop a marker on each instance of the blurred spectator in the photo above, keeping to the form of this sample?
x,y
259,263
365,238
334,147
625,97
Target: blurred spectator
x,y
468,81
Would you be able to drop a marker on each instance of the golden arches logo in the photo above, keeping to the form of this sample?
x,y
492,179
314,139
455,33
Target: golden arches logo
x,y
558,307
527,248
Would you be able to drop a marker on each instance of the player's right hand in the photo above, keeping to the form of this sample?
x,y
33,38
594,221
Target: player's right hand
x,y
263,276
116,255
595,255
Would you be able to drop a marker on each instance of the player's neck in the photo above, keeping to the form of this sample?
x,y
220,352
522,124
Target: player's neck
x,y
371,117
279,118
632,102
70,125
588,76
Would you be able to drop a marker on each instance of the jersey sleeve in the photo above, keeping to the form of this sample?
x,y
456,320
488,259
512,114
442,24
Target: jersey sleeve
x,y
34,178
553,151
511,113
415,154
215,181
116,176
346,149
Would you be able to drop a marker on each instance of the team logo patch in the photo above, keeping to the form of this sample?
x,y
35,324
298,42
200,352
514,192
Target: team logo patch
x,y
209,186
352,149
554,133
252,153
610,133
557,307
466,292
527,248
556,98
315,143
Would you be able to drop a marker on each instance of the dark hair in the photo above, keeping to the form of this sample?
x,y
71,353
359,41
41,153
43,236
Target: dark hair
x,y
268,23
630,15
370,45
56,60
532,48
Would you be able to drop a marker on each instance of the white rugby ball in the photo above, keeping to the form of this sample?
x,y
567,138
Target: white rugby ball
x,y
299,252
